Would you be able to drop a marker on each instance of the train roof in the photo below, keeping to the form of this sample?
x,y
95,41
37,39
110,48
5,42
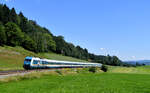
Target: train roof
x,y
57,61
31,57
28,57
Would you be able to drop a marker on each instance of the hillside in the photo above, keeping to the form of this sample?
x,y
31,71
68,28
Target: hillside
x,y
12,58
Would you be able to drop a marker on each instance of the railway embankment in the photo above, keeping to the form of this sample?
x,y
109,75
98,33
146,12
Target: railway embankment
x,y
31,74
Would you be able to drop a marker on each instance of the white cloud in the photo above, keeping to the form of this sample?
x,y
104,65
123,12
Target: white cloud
x,y
7,0
133,57
102,48
104,51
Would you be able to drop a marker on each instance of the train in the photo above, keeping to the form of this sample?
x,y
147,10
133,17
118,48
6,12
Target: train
x,y
39,63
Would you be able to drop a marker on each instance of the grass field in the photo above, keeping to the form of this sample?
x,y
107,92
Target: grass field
x,y
136,70
11,58
82,83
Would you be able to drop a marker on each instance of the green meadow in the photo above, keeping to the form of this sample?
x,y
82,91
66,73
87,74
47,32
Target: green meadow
x,y
81,83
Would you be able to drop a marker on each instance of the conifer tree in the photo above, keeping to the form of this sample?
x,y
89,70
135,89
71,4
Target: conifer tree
x,y
2,35
13,16
6,14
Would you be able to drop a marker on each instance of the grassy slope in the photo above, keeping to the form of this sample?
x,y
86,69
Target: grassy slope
x,y
13,57
82,83
59,57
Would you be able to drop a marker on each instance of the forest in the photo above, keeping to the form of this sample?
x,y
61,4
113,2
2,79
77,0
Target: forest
x,y
18,30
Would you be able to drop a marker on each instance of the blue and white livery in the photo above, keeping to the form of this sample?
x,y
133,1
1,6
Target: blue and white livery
x,y
37,63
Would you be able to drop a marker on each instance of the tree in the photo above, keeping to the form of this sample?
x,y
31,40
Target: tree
x,y
2,35
60,44
13,16
23,22
47,31
29,44
6,14
109,60
86,54
38,38
79,49
115,61
1,12
14,34
49,43
92,69
104,68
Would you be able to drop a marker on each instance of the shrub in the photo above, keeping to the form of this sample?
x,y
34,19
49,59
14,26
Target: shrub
x,y
92,69
59,72
104,68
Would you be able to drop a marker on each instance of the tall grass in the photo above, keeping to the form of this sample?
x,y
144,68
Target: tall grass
x,y
28,76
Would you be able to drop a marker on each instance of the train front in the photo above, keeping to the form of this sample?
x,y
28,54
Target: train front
x,y
27,63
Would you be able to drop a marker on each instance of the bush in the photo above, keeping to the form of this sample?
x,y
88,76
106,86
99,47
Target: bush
x,y
59,72
92,69
104,68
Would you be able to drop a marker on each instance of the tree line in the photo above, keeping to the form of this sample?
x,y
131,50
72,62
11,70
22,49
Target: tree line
x,y
18,30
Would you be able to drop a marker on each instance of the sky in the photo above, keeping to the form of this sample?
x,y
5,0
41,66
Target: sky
x,y
115,27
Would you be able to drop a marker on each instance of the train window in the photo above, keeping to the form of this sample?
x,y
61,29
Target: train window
x,y
35,61
28,60
43,62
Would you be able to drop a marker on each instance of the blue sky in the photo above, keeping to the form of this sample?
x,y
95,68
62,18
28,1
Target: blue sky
x,y
115,27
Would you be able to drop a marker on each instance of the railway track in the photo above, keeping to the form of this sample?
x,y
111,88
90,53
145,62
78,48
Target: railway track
x,y
20,71
13,72
9,72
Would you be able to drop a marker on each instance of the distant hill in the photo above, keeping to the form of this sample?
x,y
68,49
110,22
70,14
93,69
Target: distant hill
x,y
145,62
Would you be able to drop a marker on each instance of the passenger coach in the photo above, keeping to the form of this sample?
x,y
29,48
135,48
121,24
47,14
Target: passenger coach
x,y
37,63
